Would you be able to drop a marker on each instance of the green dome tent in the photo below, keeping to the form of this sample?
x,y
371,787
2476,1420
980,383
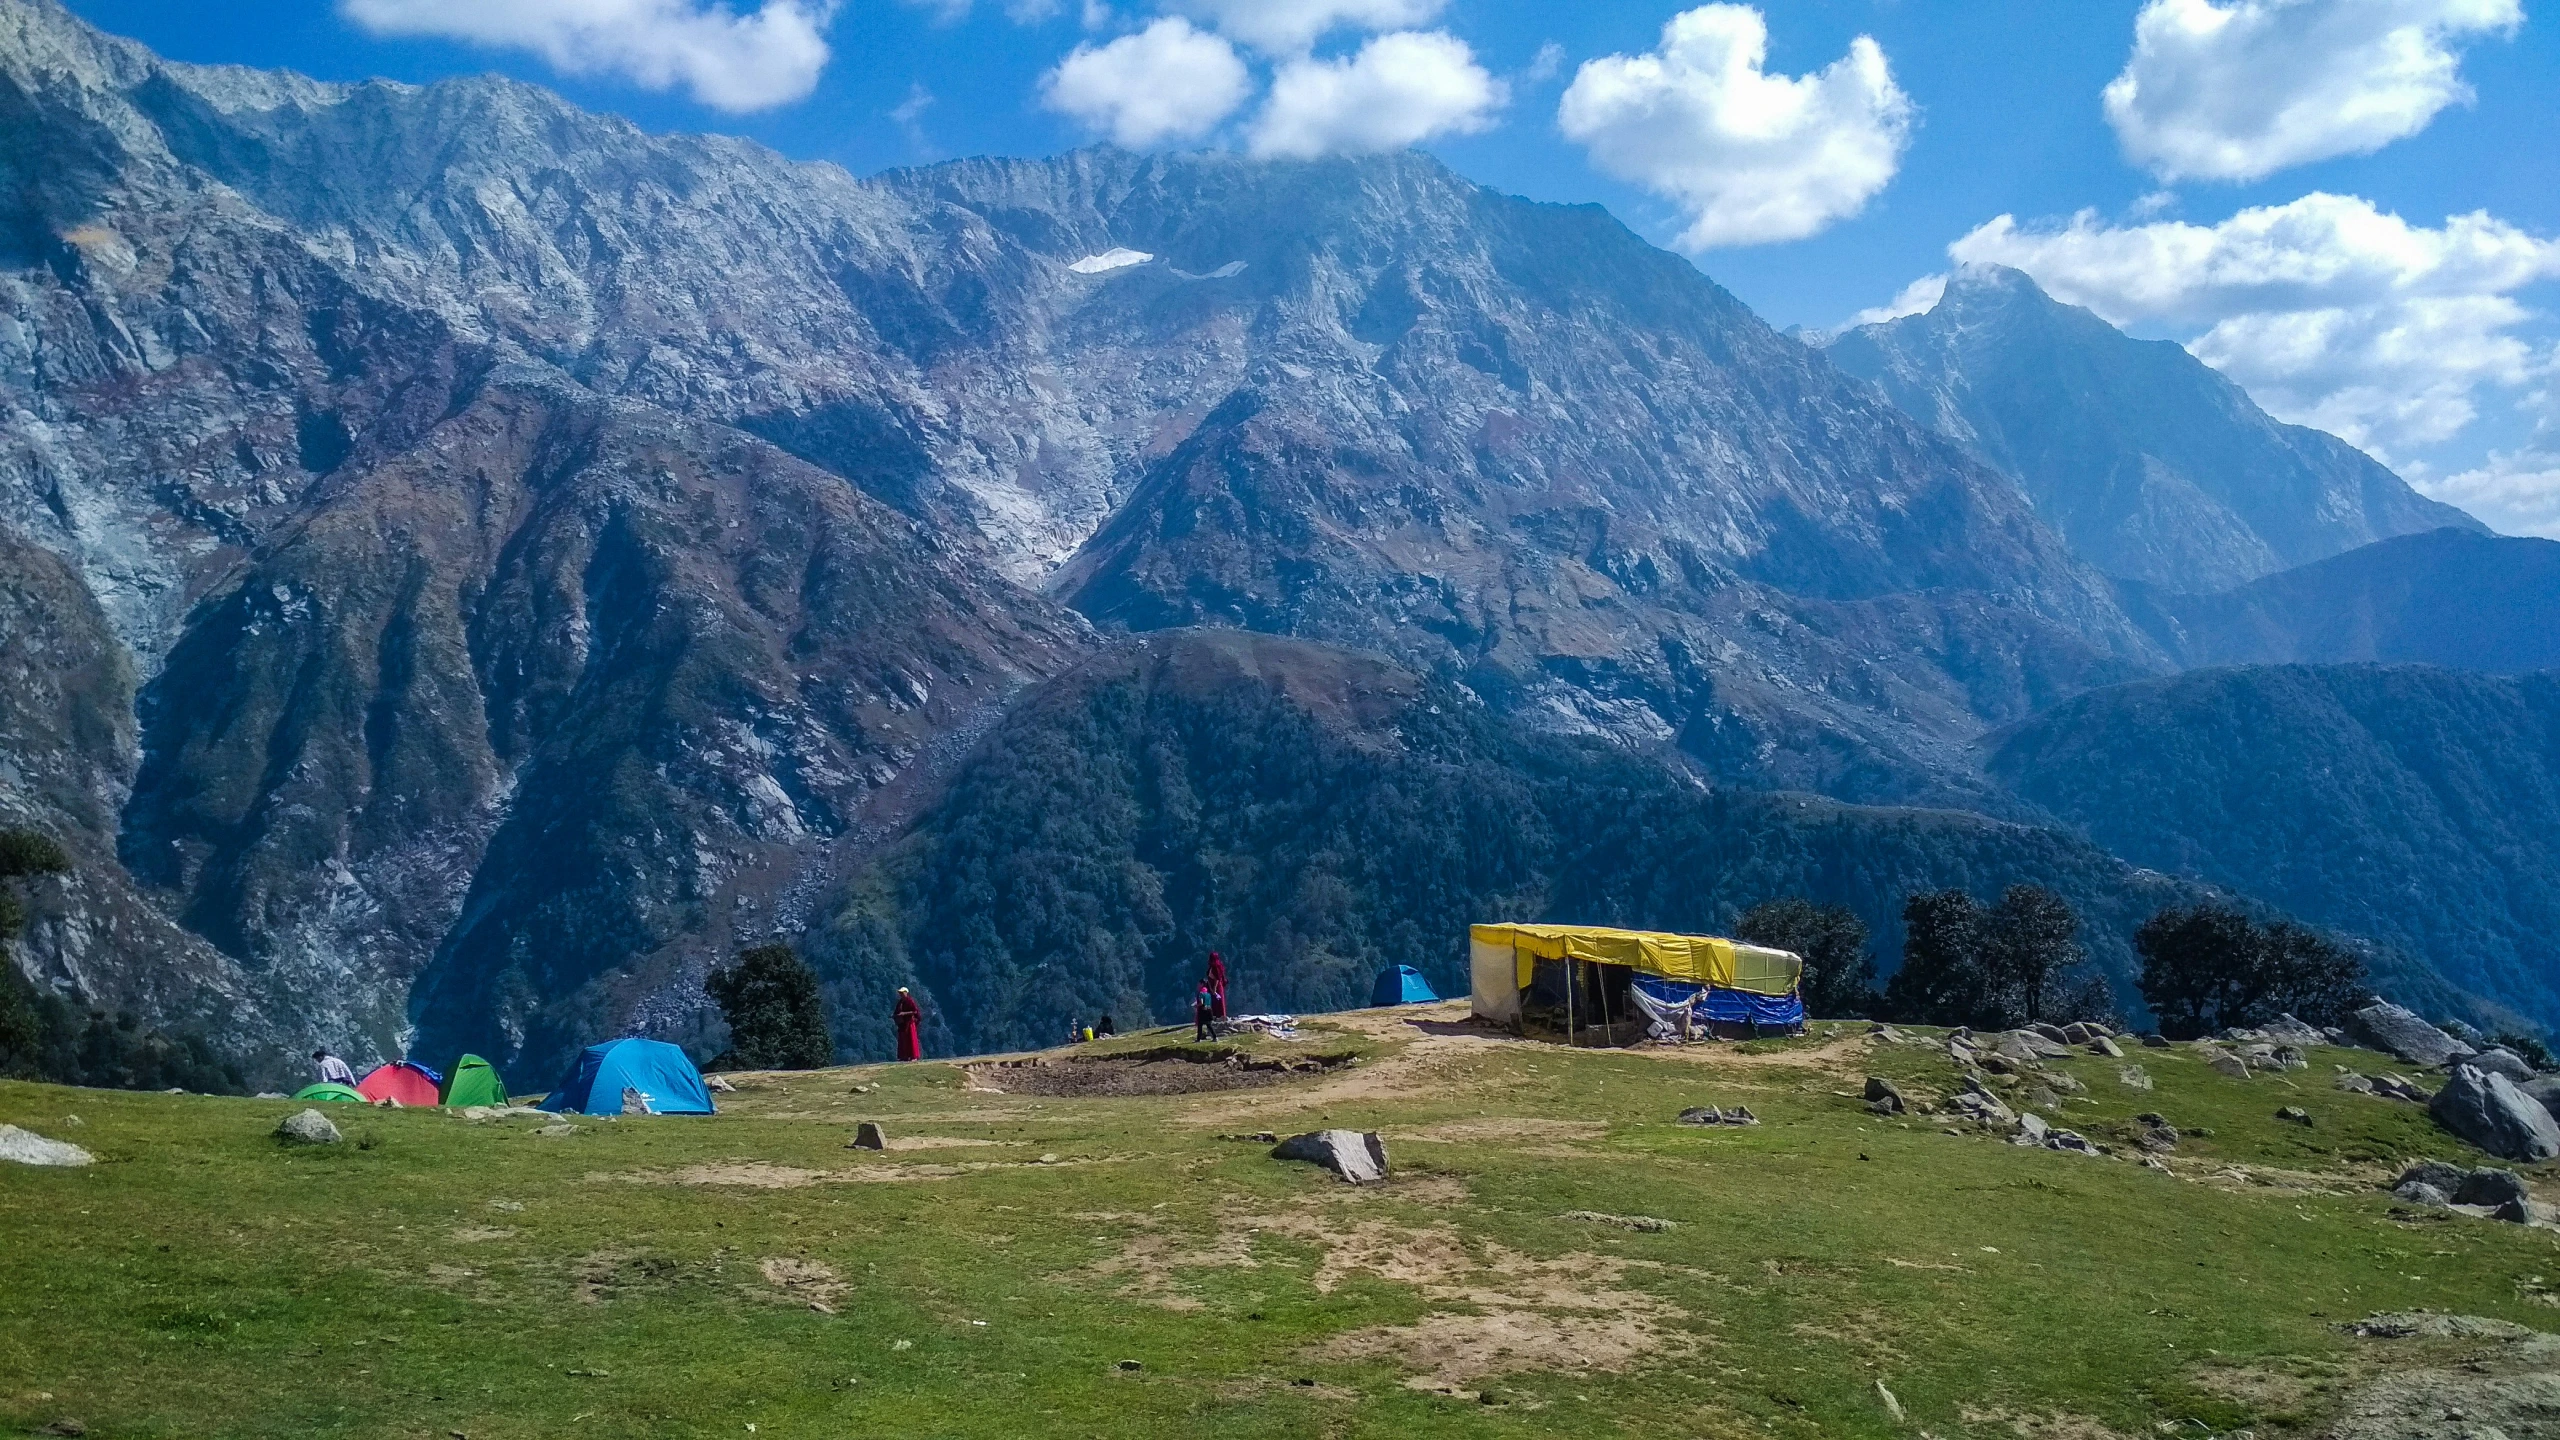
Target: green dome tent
x,y
326,1091
475,1082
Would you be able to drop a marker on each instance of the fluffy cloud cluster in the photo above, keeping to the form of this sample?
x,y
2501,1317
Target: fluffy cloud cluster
x,y
1173,82
1166,82
725,59
2241,90
2331,312
1398,90
1288,27
1749,156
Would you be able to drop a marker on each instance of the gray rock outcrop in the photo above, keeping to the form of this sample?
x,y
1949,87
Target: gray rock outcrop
x,y
25,1147
2400,1032
307,1127
2498,1060
2489,1111
1359,1157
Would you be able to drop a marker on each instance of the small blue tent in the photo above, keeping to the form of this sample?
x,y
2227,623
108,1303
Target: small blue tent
x,y
1401,985
667,1082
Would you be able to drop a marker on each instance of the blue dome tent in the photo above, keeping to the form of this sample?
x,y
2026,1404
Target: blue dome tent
x,y
666,1081
1401,985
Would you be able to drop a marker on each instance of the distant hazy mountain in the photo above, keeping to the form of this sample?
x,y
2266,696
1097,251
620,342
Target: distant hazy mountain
x,y
2154,466
2447,597
2417,805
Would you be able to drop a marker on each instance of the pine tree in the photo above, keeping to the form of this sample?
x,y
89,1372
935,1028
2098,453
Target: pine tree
x,y
1839,975
777,1021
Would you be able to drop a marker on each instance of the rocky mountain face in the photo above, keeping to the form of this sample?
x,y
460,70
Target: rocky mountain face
x,y
2410,803
2152,465
478,562
2450,597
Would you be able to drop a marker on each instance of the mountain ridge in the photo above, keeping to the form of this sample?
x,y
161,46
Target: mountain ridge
x,y
2156,467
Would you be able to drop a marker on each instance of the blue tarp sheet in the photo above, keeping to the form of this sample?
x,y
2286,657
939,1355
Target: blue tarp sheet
x,y
1727,1007
1400,985
667,1082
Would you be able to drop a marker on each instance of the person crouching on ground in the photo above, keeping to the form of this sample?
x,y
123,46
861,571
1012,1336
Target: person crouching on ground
x,y
333,1071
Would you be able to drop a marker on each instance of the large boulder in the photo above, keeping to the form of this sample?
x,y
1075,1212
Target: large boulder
x,y
2546,1089
2489,1111
308,1127
26,1147
2290,1030
2492,1187
2390,1027
1359,1157
2498,1060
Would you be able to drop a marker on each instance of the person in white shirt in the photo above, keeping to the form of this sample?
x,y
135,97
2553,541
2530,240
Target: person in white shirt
x,y
333,1071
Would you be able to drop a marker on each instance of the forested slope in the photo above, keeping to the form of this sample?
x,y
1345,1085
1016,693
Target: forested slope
x,y
1315,813
2416,805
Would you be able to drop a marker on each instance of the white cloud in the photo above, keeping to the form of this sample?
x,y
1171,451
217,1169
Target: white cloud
x,y
1752,157
1288,27
727,60
1398,90
2517,491
1166,82
2239,91
2331,312
1918,297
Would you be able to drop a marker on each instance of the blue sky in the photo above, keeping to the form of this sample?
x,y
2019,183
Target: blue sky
x,y
2270,185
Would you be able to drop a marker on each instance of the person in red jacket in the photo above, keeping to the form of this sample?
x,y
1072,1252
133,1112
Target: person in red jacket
x,y
909,1018
1217,983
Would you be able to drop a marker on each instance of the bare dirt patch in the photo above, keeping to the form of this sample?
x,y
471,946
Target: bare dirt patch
x,y
940,1142
1505,1127
476,1234
1568,1312
1170,1071
751,1174
2475,1381
803,1281
1446,1352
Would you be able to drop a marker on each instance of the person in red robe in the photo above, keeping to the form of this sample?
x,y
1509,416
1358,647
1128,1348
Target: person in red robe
x,y
909,1018
1217,983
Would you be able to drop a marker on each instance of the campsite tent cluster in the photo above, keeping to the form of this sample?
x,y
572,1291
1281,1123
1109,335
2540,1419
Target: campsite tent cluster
x,y
1627,984
607,1080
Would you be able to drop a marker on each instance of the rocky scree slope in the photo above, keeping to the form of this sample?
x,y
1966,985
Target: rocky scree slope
x,y
2154,466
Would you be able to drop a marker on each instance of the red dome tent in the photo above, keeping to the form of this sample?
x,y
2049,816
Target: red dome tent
x,y
406,1083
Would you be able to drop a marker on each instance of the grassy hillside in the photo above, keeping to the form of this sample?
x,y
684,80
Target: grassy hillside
x,y
1035,1264
2415,805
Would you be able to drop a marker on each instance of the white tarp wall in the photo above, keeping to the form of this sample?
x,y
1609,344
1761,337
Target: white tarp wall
x,y
1494,980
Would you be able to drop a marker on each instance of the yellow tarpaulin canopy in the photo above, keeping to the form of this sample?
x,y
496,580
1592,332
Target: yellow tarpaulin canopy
x,y
1504,957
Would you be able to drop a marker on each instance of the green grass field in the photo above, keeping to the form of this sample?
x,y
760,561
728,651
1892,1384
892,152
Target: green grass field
x,y
1068,1265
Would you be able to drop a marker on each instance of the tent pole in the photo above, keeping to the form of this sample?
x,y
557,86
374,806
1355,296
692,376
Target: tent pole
x,y
1571,1031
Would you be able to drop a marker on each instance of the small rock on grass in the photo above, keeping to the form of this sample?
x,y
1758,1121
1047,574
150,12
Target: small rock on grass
x,y
1884,1097
28,1148
308,1127
2133,1077
869,1136
2294,1115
